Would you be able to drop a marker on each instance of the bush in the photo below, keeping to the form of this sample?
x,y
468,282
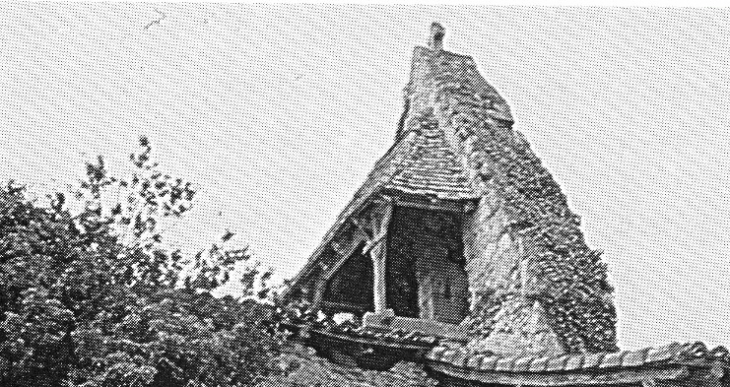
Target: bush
x,y
91,297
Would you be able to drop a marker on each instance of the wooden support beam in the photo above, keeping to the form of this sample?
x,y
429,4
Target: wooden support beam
x,y
344,253
338,248
378,254
319,289
433,204
376,225
362,229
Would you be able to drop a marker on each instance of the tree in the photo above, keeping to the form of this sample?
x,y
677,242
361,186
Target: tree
x,y
92,297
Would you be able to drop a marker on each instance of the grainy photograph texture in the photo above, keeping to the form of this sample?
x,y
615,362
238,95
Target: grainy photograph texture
x,y
309,195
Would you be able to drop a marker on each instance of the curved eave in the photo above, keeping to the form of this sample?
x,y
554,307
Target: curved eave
x,y
671,362
615,377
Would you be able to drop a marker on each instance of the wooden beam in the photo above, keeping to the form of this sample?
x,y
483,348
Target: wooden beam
x,y
343,306
434,204
319,289
362,229
344,255
338,248
329,271
378,255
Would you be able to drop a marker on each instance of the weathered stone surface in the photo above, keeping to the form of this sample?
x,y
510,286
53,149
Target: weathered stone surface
x,y
521,329
490,253
542,229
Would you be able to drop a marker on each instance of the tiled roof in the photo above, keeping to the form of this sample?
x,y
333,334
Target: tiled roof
x,y
673,353
421,162
683,362
447,358
431,167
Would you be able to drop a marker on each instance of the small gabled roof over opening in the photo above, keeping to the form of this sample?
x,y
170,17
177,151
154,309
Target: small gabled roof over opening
x,y
430,167
420,164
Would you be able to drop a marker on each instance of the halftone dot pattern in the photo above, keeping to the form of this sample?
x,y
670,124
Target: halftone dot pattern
x,y
277,113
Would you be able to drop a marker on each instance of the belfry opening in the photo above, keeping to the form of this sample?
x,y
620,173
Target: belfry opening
x,y
425,266
423,271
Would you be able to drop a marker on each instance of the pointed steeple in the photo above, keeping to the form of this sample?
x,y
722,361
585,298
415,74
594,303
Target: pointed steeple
x,y
455,147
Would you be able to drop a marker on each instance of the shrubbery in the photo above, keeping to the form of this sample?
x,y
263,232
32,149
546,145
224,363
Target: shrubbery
x,y
89,296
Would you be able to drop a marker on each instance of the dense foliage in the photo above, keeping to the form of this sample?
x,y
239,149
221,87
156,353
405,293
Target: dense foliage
x,y
89,295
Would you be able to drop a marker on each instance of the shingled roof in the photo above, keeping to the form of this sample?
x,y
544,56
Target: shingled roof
x,y
421,162
429,165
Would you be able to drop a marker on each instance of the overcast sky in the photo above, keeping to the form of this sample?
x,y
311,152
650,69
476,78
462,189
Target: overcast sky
x,y
278,113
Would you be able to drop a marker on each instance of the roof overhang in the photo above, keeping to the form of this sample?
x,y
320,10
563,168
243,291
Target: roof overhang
x,y
690,364
615,377
345,235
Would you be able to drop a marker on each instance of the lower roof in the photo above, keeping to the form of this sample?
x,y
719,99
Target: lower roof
x,y
690,364
670,362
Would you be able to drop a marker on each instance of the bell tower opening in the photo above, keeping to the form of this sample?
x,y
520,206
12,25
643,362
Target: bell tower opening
x,y
425,267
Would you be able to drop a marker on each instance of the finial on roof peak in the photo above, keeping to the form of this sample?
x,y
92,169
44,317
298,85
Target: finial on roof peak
x,y
436,40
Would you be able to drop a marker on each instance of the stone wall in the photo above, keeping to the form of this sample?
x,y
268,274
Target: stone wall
x,y
505,321
492,256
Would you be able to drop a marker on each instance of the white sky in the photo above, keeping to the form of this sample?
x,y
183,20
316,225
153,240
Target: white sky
x,y
279,112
